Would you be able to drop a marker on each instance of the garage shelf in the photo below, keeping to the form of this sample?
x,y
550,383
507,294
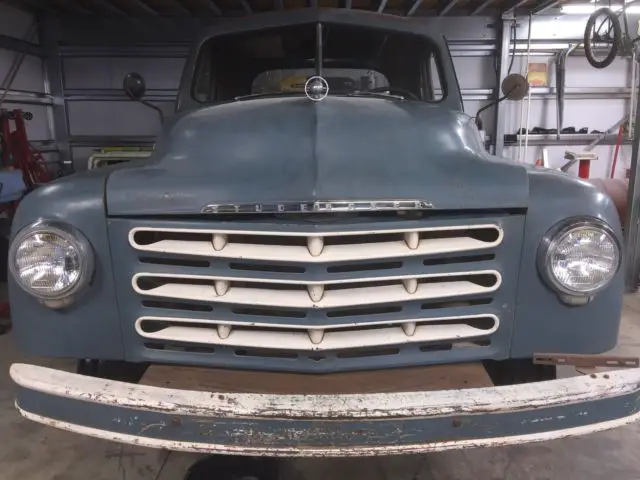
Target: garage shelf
x,y
565,139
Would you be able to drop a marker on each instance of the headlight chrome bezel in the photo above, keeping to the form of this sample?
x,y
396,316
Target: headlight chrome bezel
x,y
553,237
71,235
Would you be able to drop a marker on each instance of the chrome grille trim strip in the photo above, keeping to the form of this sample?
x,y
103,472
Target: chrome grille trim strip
x,y
213,278
316,338
316,249
330,299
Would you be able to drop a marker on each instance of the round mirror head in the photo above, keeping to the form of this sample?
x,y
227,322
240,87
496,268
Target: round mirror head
x,y
515,86
134,85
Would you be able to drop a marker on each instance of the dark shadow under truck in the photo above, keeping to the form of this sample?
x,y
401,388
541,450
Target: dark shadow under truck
x,y
337,258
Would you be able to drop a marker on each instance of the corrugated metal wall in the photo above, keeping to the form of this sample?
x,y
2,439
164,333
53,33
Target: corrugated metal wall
x,y
29,79
116,116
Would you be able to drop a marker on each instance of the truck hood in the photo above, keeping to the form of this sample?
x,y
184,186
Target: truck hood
x,y
290,149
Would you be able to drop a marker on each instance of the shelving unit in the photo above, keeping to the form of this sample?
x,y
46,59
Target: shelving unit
x,y
565,139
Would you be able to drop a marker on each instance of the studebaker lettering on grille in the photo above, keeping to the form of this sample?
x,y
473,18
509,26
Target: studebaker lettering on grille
x,y
326,206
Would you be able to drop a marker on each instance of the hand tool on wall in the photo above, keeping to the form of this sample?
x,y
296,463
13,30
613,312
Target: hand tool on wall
x,y
561,69
616,151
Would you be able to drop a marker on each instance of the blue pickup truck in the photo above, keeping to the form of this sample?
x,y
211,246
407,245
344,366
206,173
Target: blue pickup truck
x,y
319,259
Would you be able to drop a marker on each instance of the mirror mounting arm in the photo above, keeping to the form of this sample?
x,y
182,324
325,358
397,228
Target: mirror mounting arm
x,y
150,105
156,108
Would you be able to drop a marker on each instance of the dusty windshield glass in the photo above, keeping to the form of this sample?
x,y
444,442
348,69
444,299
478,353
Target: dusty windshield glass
x,y
340,80
353,59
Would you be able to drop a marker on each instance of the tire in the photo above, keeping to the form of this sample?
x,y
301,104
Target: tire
x,y
226,467
617,38
518,371
4,258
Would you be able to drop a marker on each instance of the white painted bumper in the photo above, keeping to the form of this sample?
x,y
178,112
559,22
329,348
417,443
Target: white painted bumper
x,y
327,425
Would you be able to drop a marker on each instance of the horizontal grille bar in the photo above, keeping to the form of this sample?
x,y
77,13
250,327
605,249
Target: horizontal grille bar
x,y
316,247
334,337
168,277
307,295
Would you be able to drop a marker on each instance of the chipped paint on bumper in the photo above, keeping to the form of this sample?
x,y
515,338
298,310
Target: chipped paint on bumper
x,y
327,425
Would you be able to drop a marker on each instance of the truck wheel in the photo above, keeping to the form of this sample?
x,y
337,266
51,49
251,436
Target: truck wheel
x,y
4,328
595,37
4,261
516,371
223,467
87,366
112,369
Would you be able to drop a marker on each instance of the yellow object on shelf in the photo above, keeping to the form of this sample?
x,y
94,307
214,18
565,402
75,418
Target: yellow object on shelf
x,y
103,159
293,84
537,75
125,149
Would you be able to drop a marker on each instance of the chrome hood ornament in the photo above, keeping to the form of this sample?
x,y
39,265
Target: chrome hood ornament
x,y
316,88
318,207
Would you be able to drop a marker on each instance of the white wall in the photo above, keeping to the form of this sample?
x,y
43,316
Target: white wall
x,y
16,23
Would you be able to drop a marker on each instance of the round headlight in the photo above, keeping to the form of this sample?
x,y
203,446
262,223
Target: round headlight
x,y
580,258
51,260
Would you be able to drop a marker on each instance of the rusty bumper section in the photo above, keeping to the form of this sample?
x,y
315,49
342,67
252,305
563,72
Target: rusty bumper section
x,y
327,425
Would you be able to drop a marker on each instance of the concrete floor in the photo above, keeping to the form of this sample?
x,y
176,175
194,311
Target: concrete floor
x,y
29,451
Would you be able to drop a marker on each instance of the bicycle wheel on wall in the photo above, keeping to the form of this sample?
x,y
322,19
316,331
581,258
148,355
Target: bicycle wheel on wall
x,y
602,37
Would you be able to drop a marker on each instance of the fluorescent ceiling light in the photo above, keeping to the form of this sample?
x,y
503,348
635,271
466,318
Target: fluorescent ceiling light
x,y
588,8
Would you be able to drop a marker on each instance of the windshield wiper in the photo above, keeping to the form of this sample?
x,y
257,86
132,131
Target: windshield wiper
x,y
359,93
263,94
367,93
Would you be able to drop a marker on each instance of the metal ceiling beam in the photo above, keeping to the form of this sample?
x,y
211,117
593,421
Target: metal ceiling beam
x,y
246,7
26,6
546,6
414,7
447,8
481,7
181,6
143,6
514,5
109,6
21,46
72,9
213,7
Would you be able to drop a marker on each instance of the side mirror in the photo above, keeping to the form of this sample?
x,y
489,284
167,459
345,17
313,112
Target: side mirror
x,y
515,87
134,86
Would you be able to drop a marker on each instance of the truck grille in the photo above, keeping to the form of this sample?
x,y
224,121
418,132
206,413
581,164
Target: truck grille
x,y
281,289
319,248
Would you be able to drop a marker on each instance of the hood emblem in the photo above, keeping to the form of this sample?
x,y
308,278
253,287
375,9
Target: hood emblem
x,y
316,88
317,207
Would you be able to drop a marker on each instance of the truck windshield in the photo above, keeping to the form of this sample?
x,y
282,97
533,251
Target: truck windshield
x,y
351,59
340,80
